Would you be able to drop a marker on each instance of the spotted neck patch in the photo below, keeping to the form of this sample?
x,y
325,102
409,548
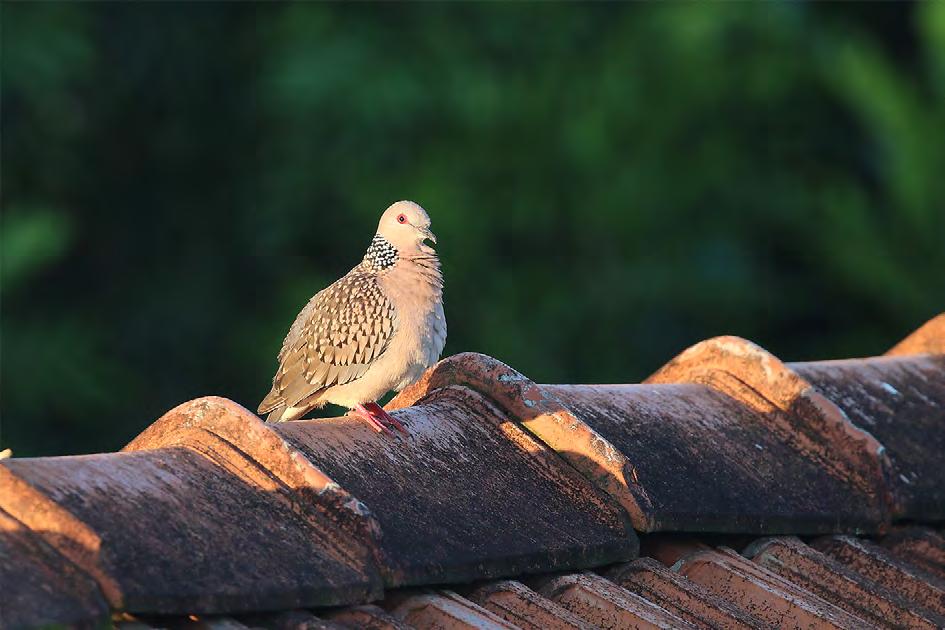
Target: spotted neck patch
x,y
381,254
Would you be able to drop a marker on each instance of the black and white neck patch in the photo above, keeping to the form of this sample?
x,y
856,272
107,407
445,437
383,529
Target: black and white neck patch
x,y
381,254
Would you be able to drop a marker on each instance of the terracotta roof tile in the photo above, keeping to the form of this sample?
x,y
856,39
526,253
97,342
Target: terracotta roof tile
x,y
901,401
213,550
838,584
604,604
368,617
762,593
212,511
531,406
469,495
770,421
670,548
922,546
526,609
238,441
448,611
887,570
927,339
725,386
39,587
741,420
687,600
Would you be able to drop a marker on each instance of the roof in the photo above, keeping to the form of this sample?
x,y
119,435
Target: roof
x,y
729,489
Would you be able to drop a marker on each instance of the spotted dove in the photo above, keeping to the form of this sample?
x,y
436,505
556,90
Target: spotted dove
x,y
374,330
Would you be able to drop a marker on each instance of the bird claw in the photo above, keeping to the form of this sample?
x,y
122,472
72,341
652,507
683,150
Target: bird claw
x,y
374,423
378,418
386,417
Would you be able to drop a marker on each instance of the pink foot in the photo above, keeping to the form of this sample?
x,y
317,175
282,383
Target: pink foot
x,y
367,416
379,411
380,420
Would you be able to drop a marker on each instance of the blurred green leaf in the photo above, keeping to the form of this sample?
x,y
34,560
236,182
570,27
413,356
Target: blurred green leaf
x,y
609,184
31,239
931,19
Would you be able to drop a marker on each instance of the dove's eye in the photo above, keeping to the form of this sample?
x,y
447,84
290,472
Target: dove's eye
x,y
401,218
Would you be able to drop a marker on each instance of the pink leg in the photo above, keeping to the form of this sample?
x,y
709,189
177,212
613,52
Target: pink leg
x,y
375,423
379,411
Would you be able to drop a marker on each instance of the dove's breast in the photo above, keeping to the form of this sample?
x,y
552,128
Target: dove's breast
x,y
417,294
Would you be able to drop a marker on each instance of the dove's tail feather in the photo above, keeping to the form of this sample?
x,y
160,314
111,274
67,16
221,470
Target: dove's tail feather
x,y
276,414
286,414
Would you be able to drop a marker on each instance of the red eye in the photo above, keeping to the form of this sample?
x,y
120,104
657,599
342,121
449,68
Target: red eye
x,y
401,218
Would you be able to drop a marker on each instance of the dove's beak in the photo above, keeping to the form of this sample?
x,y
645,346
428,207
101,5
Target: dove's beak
x,y
428,235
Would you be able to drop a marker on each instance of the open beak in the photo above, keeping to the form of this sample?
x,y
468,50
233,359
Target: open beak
x,y
428,235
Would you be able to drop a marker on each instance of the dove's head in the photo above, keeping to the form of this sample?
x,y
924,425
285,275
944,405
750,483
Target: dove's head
x,y
406,226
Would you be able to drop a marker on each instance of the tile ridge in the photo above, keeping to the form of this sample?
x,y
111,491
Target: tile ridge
x,y
750,374
544,416
38,512
929,338
237,431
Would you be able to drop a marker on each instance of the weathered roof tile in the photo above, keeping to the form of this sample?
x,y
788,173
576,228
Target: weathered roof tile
x,y
730,418
922,546
838,584
762,593
886,569
238,441
39,587
669,549
367,617
448,611
833,473
544,416
927,339
468,495
526,609
604,604
169,531
212,511
685,599
723,387
901,401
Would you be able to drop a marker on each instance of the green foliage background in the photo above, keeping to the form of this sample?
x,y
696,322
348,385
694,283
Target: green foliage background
x,y
609,184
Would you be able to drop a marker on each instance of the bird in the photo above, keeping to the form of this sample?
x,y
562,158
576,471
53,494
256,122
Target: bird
x,y
374,330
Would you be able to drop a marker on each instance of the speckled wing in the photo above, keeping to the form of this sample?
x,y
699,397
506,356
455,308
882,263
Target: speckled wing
x,y
334,340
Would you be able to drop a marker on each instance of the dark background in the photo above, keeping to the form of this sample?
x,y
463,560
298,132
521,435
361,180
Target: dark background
x,y
609,184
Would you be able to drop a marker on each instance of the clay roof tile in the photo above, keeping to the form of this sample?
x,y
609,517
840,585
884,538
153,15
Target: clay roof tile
x,y
212,511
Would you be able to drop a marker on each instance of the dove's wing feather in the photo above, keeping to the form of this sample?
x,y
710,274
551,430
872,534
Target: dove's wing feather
x,y
336,338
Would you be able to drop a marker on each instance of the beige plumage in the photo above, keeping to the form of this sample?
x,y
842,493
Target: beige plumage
x,y
374,330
